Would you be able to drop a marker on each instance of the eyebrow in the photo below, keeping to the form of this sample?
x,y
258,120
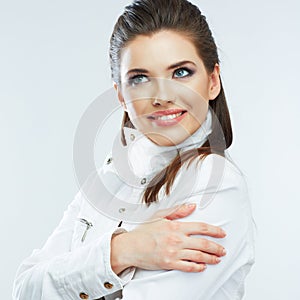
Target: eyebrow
x,y
173,66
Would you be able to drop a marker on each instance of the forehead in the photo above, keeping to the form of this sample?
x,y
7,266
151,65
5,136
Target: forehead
x,y
158,50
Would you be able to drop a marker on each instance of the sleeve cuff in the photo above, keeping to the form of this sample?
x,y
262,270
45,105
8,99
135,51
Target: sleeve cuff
x,y
88,271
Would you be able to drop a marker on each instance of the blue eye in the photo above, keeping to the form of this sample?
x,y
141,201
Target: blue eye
x,y
182,72
137,79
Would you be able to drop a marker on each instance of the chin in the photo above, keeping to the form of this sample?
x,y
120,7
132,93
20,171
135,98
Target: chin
x,y
165,140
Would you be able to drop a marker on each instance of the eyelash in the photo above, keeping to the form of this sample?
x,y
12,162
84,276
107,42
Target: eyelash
x,y
132,78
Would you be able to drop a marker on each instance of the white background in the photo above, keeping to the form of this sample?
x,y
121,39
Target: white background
x,y
54,63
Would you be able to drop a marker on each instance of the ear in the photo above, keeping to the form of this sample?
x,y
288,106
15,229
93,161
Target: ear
x,y
214,83
120,96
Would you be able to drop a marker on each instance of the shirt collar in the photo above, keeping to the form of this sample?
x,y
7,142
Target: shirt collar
x,y
146,158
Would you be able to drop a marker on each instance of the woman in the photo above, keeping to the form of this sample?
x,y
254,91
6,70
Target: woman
x,y
175,131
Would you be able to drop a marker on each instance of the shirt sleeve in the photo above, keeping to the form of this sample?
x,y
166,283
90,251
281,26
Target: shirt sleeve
x,y
56,272
221,195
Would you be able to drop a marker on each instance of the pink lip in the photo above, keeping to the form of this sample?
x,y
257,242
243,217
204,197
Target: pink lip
x,y
154,117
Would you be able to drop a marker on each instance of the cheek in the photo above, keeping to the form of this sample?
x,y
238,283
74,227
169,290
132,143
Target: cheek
x,y
199,110
196,104
200,86
194,97
137,108
139,91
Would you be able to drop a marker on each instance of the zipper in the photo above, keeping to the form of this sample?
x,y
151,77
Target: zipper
x,y
88,226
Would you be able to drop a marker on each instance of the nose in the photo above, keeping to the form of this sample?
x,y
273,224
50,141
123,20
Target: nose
x,y
164,93
158,102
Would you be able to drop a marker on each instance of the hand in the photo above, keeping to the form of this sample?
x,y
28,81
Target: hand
x,y
167,244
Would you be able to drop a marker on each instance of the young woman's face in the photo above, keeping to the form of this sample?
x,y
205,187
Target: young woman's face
x,y
165,87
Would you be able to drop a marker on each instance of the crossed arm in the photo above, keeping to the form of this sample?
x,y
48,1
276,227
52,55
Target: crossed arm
x,y
167,244
56,272
162,250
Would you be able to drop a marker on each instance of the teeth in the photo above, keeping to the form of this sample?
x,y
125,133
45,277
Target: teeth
x,y
169,117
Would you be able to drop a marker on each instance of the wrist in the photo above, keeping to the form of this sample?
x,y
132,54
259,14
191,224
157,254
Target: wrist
x,y
119,253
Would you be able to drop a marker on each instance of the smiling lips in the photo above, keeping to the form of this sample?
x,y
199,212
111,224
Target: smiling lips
x,y
167,117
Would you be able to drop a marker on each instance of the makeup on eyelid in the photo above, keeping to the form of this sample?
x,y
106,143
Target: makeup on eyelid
x,y
132,78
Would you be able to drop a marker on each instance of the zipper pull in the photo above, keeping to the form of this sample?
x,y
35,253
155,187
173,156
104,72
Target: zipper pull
x,y
88,226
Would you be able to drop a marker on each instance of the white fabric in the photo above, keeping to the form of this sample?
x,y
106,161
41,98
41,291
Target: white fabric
x,y
66,266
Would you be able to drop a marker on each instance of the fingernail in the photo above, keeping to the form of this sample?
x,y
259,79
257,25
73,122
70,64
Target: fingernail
x,y
224,233
191,205
224,252
218,260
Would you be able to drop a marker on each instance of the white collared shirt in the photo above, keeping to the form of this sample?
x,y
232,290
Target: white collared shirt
x,y
75,261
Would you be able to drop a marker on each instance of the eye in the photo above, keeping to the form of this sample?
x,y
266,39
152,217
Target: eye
x,y
137,79
182,72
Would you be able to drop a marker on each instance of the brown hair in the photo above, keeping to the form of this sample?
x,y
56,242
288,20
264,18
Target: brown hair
x,y
146,17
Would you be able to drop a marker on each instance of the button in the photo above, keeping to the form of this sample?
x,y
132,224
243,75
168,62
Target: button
x,y
121,210
143,181
83,296
108,285
132,137
109,161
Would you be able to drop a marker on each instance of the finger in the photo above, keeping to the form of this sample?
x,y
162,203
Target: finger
x,y
204,245
188,266
175,212
199,257
181,211
162,213
190,228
